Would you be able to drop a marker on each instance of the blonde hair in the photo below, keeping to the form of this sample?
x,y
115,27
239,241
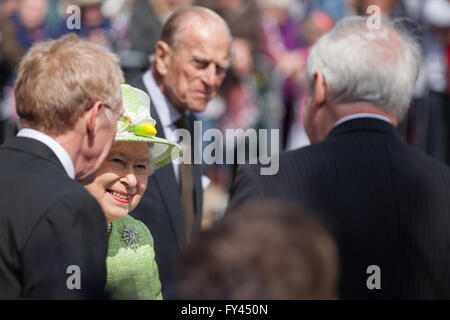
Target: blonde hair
x,y
59,79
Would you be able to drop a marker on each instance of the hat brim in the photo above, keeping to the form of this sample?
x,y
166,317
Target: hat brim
x,y
162,151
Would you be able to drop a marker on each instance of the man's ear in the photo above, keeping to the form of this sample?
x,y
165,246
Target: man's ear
x,y
320,90
90,116
162,57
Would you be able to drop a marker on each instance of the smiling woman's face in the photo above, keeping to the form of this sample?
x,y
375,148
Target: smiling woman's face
x,y
121,179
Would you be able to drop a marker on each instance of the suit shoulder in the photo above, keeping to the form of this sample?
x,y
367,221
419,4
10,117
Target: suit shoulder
x,y
293,160
39,189
424,164
137,82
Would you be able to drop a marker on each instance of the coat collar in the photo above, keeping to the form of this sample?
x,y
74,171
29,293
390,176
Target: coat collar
x,y
363,125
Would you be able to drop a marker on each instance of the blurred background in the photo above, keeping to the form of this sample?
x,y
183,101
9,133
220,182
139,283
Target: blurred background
x,y
265,87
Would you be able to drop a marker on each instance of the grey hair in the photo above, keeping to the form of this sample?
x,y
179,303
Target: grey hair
x,y
379,66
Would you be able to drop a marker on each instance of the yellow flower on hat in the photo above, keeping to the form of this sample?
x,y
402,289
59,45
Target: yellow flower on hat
x,y
145,129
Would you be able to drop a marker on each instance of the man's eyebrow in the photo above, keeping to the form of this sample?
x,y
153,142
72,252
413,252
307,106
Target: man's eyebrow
x,y
224,65
200,58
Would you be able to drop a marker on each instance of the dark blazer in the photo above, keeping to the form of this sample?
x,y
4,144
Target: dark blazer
x,y
162,212
385,202
48,222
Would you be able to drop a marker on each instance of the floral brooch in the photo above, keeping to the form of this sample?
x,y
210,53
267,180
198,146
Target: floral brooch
x,y
130,237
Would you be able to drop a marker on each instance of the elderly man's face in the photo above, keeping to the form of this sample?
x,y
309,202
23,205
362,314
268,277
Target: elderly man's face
x,y
196,67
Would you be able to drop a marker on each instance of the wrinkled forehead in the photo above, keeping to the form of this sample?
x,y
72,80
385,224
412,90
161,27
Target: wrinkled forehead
x,y
202,28
205,44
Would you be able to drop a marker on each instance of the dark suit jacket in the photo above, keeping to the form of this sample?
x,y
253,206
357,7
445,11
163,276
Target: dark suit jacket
x,y
48,222
162,212
386,203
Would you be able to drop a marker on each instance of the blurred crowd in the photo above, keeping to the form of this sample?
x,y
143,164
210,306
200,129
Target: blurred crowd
x,y
265,86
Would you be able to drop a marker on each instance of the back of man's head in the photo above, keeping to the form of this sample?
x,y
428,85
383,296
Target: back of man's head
x,y
262,250
361,62
59,79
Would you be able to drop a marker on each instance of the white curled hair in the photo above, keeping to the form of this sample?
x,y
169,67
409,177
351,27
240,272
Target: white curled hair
x,y
379,66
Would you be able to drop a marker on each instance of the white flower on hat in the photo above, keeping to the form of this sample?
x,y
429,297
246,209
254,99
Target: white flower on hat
x,y
136,119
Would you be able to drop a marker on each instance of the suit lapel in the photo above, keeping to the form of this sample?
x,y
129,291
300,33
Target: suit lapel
x,y
169,189
165,180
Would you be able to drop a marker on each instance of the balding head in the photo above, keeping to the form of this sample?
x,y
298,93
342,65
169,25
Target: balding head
x,y
191,17
192,57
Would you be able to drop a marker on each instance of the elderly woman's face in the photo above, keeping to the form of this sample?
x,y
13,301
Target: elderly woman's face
x,y
121,179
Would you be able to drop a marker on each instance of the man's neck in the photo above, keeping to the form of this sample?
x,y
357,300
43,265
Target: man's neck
x,y
346,110
71,142
332,114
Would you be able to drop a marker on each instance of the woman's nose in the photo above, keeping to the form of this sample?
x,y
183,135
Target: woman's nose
x,y
130,179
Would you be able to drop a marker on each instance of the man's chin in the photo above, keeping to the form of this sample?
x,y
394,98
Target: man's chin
x,y
197,106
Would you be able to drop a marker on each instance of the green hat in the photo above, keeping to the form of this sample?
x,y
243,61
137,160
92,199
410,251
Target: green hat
x,y
136,125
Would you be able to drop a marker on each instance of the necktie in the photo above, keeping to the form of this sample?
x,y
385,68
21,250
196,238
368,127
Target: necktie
x,y
187,180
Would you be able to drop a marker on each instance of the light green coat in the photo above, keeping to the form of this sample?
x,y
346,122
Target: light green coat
x,y
132,273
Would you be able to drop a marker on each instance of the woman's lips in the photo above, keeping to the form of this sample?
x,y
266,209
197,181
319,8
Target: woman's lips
x,y
120,196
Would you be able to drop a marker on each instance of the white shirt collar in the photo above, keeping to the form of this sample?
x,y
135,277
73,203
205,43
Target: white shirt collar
x,y
166,112
59,151
361,115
